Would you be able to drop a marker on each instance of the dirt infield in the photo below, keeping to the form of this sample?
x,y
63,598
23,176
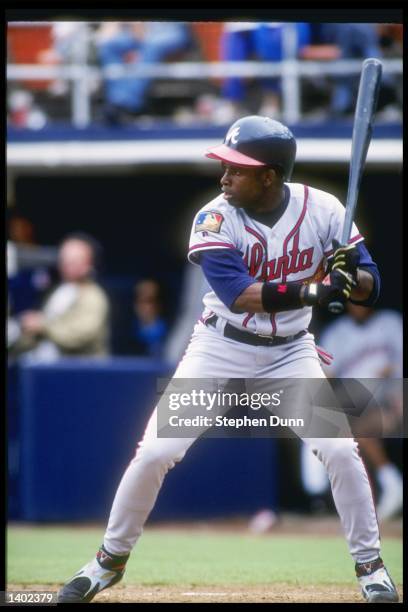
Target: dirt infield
x,y
270,593
286,524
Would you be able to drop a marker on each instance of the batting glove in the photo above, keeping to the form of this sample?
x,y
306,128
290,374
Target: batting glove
x,y
345,259
336,287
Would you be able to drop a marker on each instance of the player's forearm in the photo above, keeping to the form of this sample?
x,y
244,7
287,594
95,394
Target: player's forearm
x,y
365,285
250,300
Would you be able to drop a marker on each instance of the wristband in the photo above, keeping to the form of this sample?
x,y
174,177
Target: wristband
x,y
310,296
277,297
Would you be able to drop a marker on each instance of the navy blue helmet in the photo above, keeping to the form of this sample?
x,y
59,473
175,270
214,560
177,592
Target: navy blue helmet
x,y
258,141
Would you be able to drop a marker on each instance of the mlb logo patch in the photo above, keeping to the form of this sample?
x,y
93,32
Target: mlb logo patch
x,y
210,221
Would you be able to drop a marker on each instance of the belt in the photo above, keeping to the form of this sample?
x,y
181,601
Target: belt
x,y
247,338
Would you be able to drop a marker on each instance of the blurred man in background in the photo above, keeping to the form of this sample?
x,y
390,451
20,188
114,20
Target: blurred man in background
x,y
355,41
133,44
244,41
74,318
149,328
366,343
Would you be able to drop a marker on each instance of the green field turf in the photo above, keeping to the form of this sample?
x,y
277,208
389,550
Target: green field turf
x,y
50,555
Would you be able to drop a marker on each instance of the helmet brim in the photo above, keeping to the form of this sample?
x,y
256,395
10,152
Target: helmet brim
x,y
231,156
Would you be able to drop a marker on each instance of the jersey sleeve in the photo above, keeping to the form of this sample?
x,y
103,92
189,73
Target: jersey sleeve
x,y
332,226
226,274
366,263
211,230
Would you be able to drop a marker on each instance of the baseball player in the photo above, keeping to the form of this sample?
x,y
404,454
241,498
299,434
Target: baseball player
x,y
263,244
374,349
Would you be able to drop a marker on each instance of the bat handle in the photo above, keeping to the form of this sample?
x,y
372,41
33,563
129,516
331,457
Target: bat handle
x,y
336,307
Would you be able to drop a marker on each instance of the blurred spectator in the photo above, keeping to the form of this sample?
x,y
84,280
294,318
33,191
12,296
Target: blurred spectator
x,y
66,37
69,45
74,318
391,39
256,41
355,40
29,265
23,112
149,328
133,43
366,343
21,230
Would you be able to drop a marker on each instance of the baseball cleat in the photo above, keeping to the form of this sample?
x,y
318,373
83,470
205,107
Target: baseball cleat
x,y
376,583
101,573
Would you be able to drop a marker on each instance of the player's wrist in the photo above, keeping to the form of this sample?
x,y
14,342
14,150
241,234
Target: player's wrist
x,y
310,294
278,297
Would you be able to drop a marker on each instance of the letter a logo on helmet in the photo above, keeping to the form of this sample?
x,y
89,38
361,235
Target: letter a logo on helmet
x,y
232,136
258,141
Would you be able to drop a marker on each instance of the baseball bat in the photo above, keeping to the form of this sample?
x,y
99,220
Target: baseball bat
x,y
362,129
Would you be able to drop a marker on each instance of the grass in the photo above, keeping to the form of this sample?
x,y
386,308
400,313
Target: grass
x,y
50,555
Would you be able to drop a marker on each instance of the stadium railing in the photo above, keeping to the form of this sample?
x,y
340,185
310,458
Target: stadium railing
x,y
290,71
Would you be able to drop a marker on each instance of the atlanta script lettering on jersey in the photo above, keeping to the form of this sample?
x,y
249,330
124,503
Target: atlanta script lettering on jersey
x,y
295,261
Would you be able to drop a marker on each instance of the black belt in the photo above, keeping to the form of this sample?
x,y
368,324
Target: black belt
x,y
242,336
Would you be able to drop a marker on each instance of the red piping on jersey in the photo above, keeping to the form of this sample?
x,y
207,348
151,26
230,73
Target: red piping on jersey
x,y
273,322
325,357
349,242
212,244
247,318
295,245
210,314
323,352
204,320
260,238
265,246
296,227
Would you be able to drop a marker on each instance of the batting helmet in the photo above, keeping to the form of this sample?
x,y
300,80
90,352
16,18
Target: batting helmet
x,y
258,141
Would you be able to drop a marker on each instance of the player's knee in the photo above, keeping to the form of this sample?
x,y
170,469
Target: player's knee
x,y
158,457
337,451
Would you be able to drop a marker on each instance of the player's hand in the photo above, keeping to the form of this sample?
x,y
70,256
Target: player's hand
x,y
345,258
336,287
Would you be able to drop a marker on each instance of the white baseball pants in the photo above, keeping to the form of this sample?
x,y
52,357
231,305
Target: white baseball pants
x,y
211,355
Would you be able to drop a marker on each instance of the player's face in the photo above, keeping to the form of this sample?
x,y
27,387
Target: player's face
x,y
244,187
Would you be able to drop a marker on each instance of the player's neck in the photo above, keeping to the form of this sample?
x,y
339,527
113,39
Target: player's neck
x,y
273,199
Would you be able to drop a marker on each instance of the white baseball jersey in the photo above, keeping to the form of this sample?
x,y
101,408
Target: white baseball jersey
x,y
367,349
294,249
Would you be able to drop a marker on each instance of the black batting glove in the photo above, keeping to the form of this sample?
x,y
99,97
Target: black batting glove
x,y
345,259
336,287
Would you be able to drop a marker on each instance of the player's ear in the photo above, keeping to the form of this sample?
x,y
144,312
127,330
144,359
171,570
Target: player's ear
x,y
269,176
